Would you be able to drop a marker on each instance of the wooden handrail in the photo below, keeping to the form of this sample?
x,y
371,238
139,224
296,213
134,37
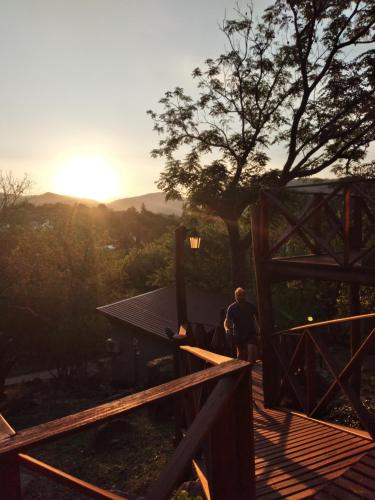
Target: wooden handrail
x,y
66,479
230,397
78,421
305,389
188,447
321,324
208,356
230,463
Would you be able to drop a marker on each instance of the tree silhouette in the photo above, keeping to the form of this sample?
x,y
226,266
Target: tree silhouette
x,y
301,77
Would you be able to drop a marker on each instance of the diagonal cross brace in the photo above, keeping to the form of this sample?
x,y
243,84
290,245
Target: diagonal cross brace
x,y
296,386
298,223
341,379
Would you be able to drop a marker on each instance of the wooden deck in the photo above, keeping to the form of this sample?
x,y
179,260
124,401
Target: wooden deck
x,y
299,457
320,267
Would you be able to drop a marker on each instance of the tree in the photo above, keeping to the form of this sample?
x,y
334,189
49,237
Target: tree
x,y
301,77
11,191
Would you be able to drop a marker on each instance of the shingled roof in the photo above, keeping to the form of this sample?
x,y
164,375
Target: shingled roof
x,y
155,311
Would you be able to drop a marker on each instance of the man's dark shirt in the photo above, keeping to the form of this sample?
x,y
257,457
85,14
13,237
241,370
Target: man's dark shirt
x,y
242,316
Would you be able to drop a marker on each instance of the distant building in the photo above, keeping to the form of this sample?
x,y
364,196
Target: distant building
x,y
139,327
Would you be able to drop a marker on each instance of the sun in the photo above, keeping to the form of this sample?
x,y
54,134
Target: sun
x,y
88,176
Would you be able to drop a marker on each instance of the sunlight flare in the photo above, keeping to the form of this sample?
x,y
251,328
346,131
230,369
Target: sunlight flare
x,y
88,176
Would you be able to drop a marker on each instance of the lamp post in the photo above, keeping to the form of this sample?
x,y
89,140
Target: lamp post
x,y
194,239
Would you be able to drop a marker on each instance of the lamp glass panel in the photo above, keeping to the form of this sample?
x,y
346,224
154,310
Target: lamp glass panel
x,y
195,242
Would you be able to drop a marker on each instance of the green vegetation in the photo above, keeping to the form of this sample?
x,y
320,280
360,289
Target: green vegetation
x,y
58,263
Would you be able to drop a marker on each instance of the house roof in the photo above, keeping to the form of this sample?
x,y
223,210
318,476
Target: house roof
x,y
155,311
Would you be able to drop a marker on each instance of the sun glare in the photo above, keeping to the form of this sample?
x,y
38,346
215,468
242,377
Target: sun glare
x,y
88,177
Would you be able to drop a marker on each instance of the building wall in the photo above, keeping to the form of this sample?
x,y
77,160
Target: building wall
x,y
129,366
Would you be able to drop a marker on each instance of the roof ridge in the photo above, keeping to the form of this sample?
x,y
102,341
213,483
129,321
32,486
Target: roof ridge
x,y
134,296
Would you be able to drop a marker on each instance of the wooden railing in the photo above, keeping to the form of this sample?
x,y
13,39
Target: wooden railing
x,y
226,387
298,349
226,465
338,221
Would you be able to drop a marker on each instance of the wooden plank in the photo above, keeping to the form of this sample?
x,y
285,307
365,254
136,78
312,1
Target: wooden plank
x,y
334,491
320,324
188,447
365,470
295,465
292,432
319,463
287,269
368,460
357,432
350,453
321,467
209,357
295,452
356,489
202,479
278,431
309,480
83,419
299,457
66,479
305,436
361,479
5,428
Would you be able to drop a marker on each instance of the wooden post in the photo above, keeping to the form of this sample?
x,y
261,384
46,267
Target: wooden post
x,y
271,372
356,230
347,225
245,437
317,223
231,474
355,335
356,237
180,235
178,398
10,481
310,372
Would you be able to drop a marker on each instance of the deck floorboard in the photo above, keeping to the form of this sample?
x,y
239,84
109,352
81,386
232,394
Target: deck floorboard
x,y
297,457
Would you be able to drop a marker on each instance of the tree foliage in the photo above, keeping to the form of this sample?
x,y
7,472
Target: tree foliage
x,y
57,264
301,77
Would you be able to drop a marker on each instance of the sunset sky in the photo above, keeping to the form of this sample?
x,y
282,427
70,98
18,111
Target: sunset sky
x,y
77,77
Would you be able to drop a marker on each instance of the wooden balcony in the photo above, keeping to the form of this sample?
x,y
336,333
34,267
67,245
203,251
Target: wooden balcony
x,y
321,231
237,452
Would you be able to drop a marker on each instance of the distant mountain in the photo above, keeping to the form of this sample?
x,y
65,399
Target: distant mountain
x,y
51,198
154,202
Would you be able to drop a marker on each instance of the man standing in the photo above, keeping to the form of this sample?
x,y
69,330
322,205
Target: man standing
x,y
241,318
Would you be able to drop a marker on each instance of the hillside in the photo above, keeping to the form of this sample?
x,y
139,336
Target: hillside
x,y
154,202
51,198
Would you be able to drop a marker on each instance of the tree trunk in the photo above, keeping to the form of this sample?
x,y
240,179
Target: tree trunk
x,y
238,254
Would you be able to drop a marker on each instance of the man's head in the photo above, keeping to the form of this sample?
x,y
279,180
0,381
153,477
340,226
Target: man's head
x,y
239,294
